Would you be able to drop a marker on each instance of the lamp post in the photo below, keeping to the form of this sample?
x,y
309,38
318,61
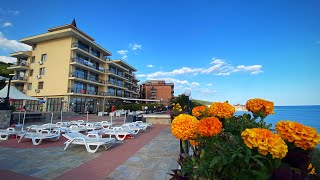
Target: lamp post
x,y
187,93
97,108
7,102
62,107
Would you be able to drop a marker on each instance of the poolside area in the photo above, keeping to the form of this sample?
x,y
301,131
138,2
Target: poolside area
x,y
150,155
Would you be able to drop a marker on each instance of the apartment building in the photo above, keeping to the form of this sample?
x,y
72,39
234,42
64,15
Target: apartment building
x,y
157,90
68,70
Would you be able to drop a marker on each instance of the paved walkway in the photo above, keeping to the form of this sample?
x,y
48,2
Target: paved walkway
x,y
148,156
153,161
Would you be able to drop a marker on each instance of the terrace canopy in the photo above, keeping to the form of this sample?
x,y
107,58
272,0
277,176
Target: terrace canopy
x,y
15,94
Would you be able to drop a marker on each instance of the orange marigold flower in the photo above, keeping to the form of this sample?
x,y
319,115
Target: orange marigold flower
x,y
194,143
311,169
256,105
209,126
221,110
302,136
184,126
265,141
199,111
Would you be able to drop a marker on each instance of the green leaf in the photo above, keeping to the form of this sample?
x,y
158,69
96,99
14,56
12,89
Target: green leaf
x,y
260,163
215,161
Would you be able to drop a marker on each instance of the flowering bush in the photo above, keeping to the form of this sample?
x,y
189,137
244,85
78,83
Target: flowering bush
x,y
200,111
209,126
302,136
225,146
221,110
184,126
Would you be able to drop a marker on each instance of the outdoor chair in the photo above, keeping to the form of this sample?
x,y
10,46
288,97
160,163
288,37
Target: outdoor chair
x,y
89,142
118,132
6,133
37,137
78,128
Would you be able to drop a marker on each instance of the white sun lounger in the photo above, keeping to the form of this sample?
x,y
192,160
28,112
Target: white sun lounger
x,y
80,139
37,137
5,133
119,133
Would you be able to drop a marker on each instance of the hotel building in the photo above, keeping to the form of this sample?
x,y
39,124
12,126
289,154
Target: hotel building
x,y
157,90
70,71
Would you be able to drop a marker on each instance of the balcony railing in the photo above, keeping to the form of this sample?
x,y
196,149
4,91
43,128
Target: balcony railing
x,y
87,63
92,52
115,83
84,77
19,78
85,91
25,64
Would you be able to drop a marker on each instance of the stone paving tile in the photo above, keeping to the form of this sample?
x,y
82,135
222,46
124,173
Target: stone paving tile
x,y
153,161
44,164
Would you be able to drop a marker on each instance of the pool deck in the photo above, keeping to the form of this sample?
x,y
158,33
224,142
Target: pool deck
x,y
149,155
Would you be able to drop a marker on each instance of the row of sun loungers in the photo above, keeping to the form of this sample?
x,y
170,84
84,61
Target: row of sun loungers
x,y
95,137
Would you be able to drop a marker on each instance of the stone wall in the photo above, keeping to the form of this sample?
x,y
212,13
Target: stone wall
x,y
5,116
158,118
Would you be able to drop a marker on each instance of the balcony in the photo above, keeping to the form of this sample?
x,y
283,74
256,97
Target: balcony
x,y
85,52
153,90
84,78
113,73
115,84
21,54
18,79
19,66
87,65
85,92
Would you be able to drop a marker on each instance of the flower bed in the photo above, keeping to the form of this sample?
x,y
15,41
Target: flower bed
x,y
224,146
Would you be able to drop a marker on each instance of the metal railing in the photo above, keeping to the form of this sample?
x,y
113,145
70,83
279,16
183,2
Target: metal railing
x,y
87,63
19,78
85,77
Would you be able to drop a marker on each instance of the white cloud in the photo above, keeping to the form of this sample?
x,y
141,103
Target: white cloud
x,y
209,84
135,46
13,45
254,69
123,53
220,68
150,66
8,59
14,12
7,24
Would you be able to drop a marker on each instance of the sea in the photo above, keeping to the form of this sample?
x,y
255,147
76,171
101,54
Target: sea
x,y
306,115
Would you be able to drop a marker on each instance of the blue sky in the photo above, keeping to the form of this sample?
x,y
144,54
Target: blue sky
x,y
220,50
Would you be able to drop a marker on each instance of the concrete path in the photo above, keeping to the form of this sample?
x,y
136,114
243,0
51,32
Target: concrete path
x,y
153,161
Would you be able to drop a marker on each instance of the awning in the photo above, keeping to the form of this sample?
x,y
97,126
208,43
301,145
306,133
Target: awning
x,y
15,94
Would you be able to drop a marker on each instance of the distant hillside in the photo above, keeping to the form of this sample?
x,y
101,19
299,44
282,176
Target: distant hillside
x,y
201,102
4,72
3,69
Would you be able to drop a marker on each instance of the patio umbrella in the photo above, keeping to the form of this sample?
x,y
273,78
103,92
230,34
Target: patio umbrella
x,y
51,121
61,116
87,116
24,117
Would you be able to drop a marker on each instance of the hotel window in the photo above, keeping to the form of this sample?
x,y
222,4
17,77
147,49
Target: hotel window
x,y
119,92
44,57
42,71
95,52
34,47
31,72
40,85
120,73
29,86
33,58
83,46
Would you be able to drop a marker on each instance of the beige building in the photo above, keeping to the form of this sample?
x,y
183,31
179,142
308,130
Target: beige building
x,y
157,90
70,71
